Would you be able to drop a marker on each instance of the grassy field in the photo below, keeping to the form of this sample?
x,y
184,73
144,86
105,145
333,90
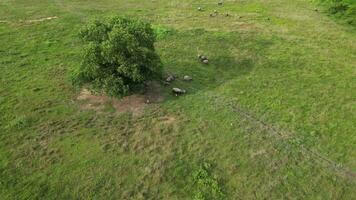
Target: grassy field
x,y
271,117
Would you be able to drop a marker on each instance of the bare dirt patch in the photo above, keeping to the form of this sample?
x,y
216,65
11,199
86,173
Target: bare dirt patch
x,y
167,120
30,20
41,19
135,103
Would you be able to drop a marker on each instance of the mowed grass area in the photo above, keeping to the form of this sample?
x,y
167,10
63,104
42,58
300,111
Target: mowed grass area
x,y
271,117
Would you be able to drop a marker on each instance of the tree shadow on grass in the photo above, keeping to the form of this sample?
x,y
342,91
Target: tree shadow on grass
x,y
231,55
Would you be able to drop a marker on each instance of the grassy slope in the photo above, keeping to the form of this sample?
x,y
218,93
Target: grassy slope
x,y
281,62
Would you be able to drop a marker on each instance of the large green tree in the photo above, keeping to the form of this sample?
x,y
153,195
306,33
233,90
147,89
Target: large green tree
x,y
119,56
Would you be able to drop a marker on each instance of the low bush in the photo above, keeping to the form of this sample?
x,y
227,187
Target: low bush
x,y
119,56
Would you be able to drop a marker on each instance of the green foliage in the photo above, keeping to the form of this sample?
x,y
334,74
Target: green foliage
x,y
119,56
161,31
338,7
207,186
345,9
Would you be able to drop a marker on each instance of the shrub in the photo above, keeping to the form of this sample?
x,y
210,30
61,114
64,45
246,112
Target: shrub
x,y
119,56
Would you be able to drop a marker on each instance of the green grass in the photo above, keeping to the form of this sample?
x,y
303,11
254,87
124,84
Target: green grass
x,y
276,100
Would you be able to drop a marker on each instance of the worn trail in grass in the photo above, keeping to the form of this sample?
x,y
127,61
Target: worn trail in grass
x,y
282,62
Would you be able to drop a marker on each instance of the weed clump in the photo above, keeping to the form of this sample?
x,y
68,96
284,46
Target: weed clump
x,y
344,9
207,186
161,31
119,56
19,122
